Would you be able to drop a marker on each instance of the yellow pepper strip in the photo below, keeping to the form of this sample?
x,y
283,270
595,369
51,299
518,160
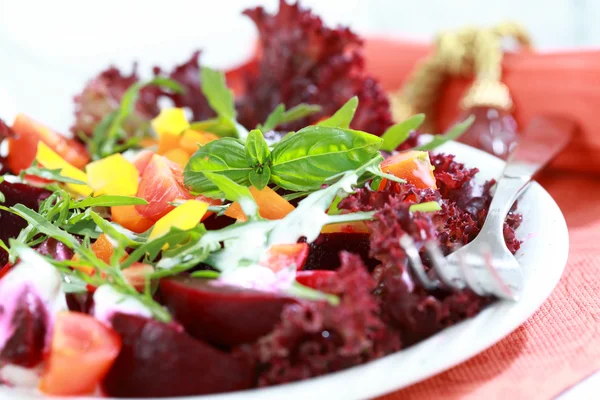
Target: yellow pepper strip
x,y
51,160
185,216
113,175
170,121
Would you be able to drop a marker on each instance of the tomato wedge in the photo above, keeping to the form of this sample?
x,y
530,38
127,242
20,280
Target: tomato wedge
x,y
414,166
280,256
314,278
142,159
161,184
81,353
23,148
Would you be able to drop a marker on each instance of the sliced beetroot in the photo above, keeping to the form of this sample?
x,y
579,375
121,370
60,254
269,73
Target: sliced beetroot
x,y
157,360
11,224
324,252
25,346
55,249
222,315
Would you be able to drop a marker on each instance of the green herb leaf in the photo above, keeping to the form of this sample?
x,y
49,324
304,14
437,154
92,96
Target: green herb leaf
x,y
304,160
260,179
108,201
257,149
279,116
219,127
430,206
116,232
453,134
235,192
395,135
43,225
206,274
51,174
2,198
108,133
226,156
342,117
220,97
305,292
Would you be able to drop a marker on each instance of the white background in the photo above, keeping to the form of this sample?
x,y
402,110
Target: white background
x,y
48,49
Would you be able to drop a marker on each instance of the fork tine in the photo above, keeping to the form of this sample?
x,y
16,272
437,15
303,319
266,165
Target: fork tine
x,y
414,261
440,264
470,278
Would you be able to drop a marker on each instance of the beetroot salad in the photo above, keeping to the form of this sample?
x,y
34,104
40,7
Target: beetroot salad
x,y
245,236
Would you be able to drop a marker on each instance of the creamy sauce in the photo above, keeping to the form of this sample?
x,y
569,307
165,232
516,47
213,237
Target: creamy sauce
x,y
107,302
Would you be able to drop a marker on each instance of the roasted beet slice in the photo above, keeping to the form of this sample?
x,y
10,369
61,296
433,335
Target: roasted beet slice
x,y
223,315
324,252
157,360
25,346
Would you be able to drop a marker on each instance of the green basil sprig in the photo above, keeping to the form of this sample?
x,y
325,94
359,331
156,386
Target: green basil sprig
x,y
301,161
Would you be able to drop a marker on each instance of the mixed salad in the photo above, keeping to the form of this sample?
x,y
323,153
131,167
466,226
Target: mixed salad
x,y
246,235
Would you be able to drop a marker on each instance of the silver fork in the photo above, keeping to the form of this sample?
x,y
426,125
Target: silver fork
x,y
485,265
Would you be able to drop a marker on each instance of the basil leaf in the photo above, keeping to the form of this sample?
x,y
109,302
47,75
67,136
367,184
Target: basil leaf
x,y
304,160
51,174
280,116
108,201
342,117
260,179
235,192
429,206
395,135
453,134
220,97
257,149
225,156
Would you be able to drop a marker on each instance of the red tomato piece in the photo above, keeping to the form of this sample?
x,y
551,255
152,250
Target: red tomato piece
x,y
22,149
4,270
141,160
313,278
161,184
81,353
283,255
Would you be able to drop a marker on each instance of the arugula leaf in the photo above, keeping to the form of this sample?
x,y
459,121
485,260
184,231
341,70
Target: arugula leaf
x,y
280,116
205,274
429,206
305,292
304,160
108,201
107,134
235,192
260,179
217,126
44,226
220,98
225,156
2,197
116,232
342,117
257,149
51,174
395,135
452,134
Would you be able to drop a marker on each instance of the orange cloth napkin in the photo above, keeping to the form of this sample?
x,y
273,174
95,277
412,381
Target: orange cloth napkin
x,y
560,344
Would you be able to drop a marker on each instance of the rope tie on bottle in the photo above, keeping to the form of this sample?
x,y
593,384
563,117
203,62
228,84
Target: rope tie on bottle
x,y
468,52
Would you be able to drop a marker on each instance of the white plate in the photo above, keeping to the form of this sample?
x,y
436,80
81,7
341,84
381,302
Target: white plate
x,y
543,256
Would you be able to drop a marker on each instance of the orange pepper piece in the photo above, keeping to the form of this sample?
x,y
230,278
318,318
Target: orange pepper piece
x,y
167,141
178,156
270,205
191,139
102,248
414,166
128,217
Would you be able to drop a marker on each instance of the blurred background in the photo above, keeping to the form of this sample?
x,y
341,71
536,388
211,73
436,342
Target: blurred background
x,y
48,49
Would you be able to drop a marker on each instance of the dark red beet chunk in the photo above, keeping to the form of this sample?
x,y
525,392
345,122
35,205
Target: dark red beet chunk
x,y
11,224
25,347
324,252
157,360
55,249
224,315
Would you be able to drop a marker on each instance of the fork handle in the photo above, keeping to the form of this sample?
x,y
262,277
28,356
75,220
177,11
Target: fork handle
x,y
543,139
